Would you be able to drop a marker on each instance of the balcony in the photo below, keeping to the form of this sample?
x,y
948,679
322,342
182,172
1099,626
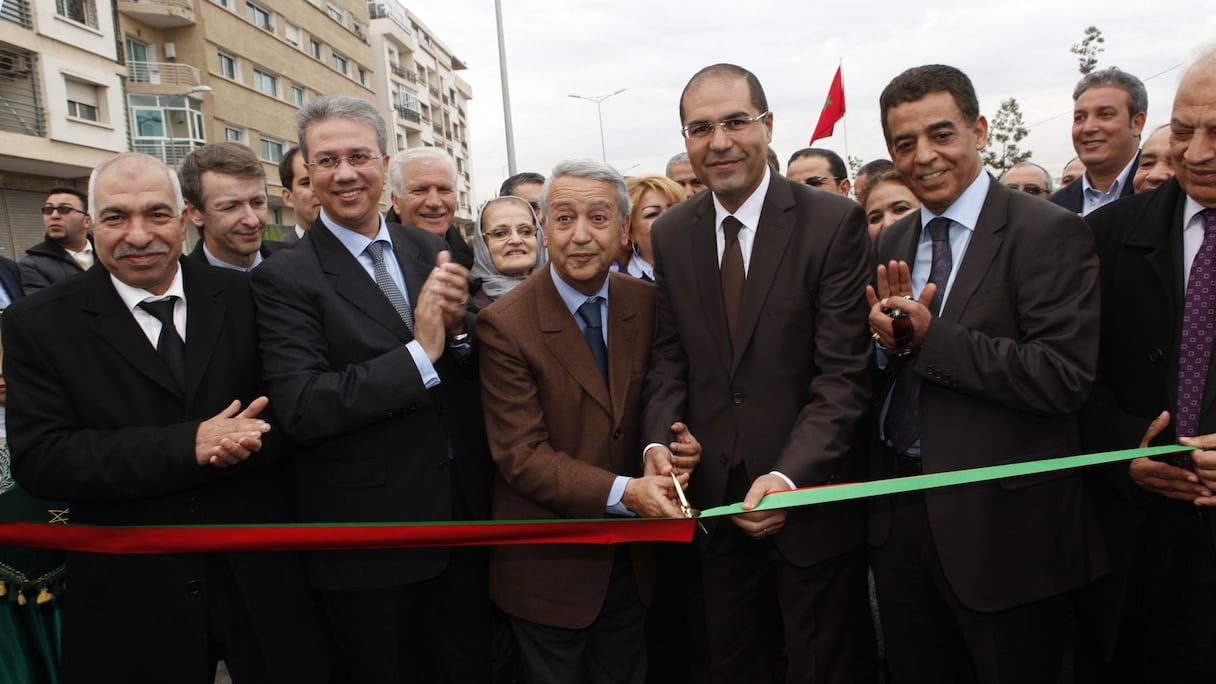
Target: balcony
x,y
16,11
20,99
408,114
171,152
398,70
434,92
163,73
159,13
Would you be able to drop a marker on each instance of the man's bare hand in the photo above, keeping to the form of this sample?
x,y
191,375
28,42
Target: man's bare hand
x,y
1204,460
894,292
681,456
653,496
232,435
442,306
760,524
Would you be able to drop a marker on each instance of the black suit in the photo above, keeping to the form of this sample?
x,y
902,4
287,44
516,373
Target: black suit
x,y
1156,542
1072,196
1004,370
375,443
268,248
94,419
10,279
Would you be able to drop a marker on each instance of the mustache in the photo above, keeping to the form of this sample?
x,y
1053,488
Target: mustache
x,y
125,250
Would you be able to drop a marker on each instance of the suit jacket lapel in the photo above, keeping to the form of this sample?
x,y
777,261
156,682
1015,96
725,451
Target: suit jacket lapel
x,y
566,342
204,322
622,333
353,284
702,242
986,240
413,267
768,247
115,324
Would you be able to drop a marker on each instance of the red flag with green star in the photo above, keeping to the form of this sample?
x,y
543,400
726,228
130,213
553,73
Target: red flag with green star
x,y
833,110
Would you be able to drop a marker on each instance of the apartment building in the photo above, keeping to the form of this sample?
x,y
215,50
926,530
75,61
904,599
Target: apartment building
x,y
61,106
209,70
423,98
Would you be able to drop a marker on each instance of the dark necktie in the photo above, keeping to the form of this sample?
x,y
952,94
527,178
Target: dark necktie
x,y
387,286
594,333
169,345
1198,327
902,426
732,272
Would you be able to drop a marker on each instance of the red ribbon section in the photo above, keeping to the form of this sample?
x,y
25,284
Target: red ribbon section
x,y
98,539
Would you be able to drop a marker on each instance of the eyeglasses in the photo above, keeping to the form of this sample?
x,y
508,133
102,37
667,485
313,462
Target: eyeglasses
x,y
701,130
1029,189
501,234
62,209
820,181
357,160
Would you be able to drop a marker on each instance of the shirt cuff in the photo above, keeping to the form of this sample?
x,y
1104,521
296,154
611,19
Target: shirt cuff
x,y
783,477
426,369
615,507
647,448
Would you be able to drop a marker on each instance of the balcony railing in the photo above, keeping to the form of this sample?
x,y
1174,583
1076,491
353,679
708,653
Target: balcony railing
x,y
171,152
20,100
398,70
162,73
16,11
408,114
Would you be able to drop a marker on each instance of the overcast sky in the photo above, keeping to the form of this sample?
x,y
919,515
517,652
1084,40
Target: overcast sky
x,y
651,48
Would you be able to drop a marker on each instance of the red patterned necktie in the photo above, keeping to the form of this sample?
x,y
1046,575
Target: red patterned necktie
x,y
1198,328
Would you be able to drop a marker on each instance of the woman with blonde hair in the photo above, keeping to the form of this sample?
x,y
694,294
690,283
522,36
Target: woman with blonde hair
x,y
649,196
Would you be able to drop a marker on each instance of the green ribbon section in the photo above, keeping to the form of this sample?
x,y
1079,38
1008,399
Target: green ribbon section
x,y
913,483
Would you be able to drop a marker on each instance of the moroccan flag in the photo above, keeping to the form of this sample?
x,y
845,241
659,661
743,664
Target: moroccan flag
x,y
833,110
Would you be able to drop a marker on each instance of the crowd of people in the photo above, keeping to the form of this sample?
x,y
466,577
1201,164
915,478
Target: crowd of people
x,y
622,347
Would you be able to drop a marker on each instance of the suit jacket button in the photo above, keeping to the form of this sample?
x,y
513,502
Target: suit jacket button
x,y
192,505
737,398
1156,356
616,435
194,587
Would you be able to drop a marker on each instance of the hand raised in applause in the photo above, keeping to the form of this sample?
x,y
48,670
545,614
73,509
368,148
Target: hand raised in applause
x,y
232,435
442,305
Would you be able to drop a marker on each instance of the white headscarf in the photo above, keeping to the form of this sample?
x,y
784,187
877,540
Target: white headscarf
x,y
493,281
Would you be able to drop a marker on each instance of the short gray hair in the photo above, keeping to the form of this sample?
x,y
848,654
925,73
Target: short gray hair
x,y
178,202
1022,165
340,107
678,159
396,167
592,170
1137,96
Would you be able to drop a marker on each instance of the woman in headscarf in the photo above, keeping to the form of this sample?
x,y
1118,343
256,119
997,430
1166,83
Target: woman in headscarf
x,y
506,248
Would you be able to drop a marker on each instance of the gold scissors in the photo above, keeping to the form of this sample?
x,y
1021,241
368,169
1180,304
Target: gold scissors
x,y
685,508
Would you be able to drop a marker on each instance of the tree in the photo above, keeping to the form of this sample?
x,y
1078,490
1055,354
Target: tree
x,y
1088,49
855,165
1005,131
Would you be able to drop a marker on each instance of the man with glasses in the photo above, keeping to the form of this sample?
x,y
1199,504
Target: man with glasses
x,y
762,351
370,368
67,249
1028,177
819,168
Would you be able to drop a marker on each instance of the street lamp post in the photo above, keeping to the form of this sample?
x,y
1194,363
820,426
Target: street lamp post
x,y
600,113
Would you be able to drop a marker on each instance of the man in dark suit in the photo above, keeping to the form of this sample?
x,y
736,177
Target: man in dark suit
x,y
107,411
422,188
224,185
972,581
297,191
563,412
367,357
1152,615
1109,107
761,350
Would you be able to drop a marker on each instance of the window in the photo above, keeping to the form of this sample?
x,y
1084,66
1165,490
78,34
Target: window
x,y
314,48
297,95
265,83
340,63
362,75
79,11
228,66
236,135
292,34
336,14
223,3
259,17
272,150
83,100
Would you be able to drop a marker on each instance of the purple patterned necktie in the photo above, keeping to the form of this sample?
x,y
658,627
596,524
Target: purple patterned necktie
x,y
1198,328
